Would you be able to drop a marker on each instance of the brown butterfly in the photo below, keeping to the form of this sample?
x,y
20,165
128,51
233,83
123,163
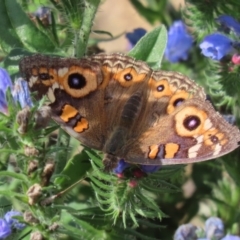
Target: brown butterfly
x,y
120,106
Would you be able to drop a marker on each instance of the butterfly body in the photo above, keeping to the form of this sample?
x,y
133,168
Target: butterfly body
x,y
120,106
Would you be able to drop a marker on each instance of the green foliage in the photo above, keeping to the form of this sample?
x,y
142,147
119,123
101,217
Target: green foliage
x,y
78,200
222,84
121,198
20,30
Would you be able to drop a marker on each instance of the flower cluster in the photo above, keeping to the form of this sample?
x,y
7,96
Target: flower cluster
x,y
9,223
214,229
178,45
219,44
19,91
215,46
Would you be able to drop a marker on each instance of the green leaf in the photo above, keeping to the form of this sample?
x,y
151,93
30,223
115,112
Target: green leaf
x,y
150,48
9,38
23,234
11,194
76,168
30,36
11,61
98,183
83,230
18,176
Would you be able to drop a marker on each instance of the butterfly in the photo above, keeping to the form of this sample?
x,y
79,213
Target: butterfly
x,y
122,107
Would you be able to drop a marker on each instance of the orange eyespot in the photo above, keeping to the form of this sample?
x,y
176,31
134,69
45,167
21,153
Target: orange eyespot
x,y
127,77
161,88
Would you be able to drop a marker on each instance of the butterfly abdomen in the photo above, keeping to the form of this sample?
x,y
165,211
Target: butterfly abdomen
x,y
129,114
131,110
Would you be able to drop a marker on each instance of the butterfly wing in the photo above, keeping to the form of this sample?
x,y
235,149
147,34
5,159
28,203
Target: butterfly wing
x,y
72,88
88,95
186,127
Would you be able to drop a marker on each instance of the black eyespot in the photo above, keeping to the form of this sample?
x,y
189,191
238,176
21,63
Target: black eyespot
x,y
160,88
128,77
191,122
76,81
178,102
214,139
44,76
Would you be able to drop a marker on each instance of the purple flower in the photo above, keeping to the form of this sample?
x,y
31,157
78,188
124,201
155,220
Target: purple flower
x,y
44,12
5,82
216,46
3,102
5,229
185,232
149,168
122,165
179,42
9,217
228,22
214,228
21,93
133,37
231,237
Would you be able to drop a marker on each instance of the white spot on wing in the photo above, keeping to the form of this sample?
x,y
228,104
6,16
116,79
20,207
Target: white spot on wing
x,y
207,124
217,149
56,86
193,151
50,95
62,71
32,80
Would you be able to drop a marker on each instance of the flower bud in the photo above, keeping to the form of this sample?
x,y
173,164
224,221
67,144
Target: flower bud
x,y
30,151
23,119
42,117
32,167
47,173
34,192
29,218
36,236
133,183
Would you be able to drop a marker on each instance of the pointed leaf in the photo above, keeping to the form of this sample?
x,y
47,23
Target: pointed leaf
x,y
9,38
150,48
76,168
18,176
